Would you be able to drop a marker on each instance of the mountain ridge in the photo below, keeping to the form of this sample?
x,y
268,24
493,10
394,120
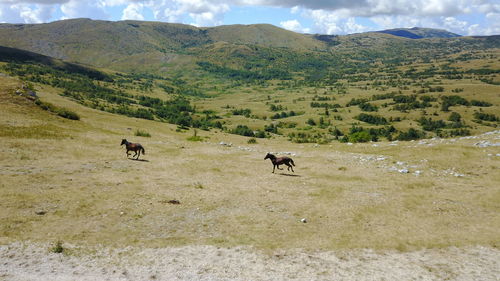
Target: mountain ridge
x,y
419,33
156,47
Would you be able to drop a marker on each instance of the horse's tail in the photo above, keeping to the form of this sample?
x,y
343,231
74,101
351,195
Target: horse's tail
x,y
291,161
143,151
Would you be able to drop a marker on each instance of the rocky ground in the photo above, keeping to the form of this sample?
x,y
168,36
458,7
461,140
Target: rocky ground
x,y
38,262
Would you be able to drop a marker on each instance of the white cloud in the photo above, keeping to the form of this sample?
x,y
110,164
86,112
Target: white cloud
x,y
294,25
133,12
334,22
93,9
25,13
33,1
38,14
203,12
327,16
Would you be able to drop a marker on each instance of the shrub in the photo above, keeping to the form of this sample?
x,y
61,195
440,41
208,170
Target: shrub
x,y
368,107
452,101
57,248
245,112
311,122
60,111
430,125
480,103
455,117
411,134
486,116
371,119
194,138
68,114
252,141
141,133
362,136
243,130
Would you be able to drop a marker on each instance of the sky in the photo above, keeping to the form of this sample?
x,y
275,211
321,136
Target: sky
x,y
465,17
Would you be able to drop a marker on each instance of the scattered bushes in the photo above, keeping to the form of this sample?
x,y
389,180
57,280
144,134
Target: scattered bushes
x,y
245,112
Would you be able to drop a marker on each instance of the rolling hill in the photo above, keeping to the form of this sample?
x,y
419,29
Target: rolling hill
x,y
157,47
263,81
419,33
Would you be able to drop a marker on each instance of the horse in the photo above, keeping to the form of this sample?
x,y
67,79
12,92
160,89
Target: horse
x,y
135,147
277,161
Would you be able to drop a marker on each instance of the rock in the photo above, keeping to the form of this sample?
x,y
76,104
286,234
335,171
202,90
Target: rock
x,y
175,202
486,144
40,212
404,171
418,173
303,220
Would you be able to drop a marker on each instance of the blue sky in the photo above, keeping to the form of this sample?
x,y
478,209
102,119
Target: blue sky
x,y
465,17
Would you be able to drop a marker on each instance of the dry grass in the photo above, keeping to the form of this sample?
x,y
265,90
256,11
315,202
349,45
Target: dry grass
x,y
92,194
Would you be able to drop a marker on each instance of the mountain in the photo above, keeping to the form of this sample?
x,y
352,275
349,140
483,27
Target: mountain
x,y
419,33
161,48
126,44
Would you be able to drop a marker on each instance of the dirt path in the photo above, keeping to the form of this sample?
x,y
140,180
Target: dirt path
x,y
35,262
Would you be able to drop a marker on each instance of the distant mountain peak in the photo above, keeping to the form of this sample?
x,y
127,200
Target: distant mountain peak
x,y
419,33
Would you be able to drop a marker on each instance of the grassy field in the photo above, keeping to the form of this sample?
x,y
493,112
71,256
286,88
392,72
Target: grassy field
x,y
70,181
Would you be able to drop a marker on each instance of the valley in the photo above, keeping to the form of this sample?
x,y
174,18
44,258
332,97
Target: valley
x,y
395,144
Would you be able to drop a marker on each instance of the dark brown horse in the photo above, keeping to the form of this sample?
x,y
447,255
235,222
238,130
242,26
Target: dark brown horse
x,y
277,161
135,147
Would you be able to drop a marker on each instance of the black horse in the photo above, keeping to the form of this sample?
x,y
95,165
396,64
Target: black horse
x,y
277,161
135,147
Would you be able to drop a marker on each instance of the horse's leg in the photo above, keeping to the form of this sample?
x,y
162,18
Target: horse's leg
x,y
279,167
274,166
138,154
127,153
290,167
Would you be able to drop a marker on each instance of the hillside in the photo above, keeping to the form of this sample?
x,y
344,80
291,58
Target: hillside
x,y
110,44
419,33
358,88
74,207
